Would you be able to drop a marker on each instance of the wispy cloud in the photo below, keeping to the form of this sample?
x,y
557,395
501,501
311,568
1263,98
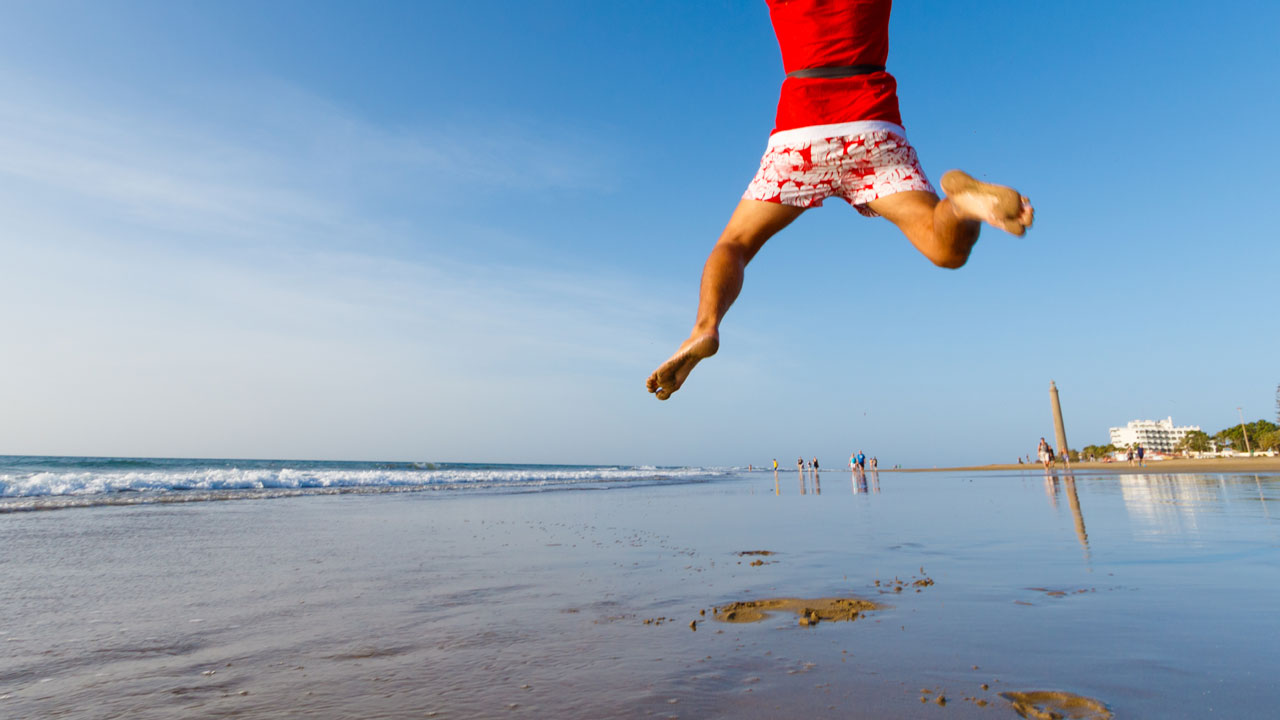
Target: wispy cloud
x,y
276,167
193,266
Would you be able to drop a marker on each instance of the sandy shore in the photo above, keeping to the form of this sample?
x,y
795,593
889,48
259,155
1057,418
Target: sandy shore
x,y
1177,465
897,596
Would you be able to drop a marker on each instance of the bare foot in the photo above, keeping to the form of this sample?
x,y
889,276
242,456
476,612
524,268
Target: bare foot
x,y
996,205
671,374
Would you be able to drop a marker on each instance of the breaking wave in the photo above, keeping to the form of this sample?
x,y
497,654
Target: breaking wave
x,y
84,482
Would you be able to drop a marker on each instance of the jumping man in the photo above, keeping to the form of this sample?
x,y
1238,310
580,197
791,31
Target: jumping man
x,y
838,133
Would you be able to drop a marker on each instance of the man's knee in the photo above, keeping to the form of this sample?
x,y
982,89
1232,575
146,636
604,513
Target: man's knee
x,y
741,243
733,247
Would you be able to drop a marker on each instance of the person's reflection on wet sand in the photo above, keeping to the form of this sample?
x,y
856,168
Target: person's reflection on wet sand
x,y
1051,488
875,479
777,488
817,484
859,481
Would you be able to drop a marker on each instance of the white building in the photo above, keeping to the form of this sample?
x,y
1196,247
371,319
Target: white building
x,y
1154,435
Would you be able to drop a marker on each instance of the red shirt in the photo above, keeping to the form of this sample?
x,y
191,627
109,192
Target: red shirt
x,y
820,33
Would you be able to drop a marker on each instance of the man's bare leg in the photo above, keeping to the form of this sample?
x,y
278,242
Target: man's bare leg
x,y
752,224
945,230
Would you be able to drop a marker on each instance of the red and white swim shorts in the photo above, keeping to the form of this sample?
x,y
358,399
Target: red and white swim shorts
x,y
857,161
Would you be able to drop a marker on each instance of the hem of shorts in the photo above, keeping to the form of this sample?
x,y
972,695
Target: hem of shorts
x,y
777,200
811,133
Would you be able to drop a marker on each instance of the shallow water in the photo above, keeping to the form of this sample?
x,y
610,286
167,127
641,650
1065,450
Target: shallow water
x,y
1153,594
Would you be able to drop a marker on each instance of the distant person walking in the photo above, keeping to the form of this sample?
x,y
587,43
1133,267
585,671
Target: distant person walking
x,y
815,465
1141,454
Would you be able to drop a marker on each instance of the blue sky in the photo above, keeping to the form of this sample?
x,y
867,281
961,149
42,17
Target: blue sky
x,y
469,231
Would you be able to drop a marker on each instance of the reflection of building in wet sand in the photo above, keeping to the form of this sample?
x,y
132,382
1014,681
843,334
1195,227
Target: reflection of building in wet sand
x,y
1169,503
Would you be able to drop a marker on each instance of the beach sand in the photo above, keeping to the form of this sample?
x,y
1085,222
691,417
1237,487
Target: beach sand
x,y
1261,464
986,595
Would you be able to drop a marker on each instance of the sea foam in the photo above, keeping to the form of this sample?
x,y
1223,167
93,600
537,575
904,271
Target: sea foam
x,y
110,481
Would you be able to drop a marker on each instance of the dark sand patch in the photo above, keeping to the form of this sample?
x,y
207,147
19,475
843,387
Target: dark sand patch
x,y
811,611
897,585
753,553
1056,705
1063,592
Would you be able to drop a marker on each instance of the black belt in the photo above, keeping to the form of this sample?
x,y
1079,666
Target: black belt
x,y
838,71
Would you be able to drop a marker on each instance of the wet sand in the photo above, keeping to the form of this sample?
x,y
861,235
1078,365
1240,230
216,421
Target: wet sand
x,y
995,595
1180,465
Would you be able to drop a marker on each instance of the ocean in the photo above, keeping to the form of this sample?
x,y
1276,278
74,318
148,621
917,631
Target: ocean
x,y
53,483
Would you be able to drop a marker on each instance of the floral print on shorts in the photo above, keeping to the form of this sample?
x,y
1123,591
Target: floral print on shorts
x,y
858,168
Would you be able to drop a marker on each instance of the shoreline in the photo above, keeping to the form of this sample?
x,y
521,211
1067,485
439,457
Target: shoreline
x,y
609,604
1236,464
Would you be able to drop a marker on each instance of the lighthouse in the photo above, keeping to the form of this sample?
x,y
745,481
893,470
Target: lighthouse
x,y
1059,430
